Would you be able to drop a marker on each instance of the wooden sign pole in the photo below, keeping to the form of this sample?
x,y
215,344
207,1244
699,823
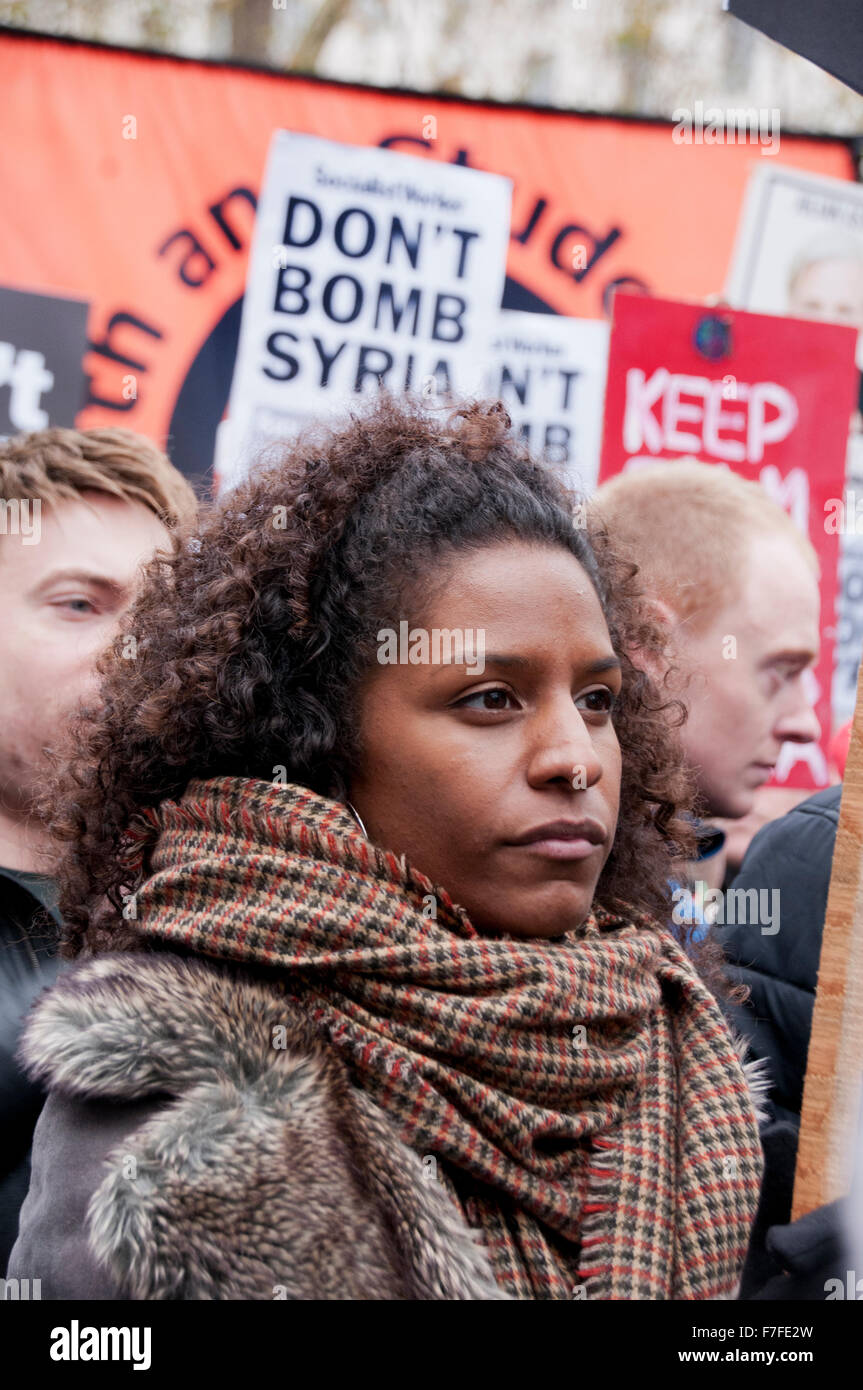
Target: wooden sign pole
x,y
829,1120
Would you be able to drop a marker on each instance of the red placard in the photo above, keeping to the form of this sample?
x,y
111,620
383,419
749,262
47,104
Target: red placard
x,y
769,397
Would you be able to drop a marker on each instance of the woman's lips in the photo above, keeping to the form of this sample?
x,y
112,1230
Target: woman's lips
x,y
564,839
560,849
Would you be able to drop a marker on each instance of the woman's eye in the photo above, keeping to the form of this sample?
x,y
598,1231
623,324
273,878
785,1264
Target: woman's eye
x,y
600,701
495,700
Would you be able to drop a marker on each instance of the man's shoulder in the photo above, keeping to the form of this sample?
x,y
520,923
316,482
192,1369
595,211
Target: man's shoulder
x,y
790,858
812,822
825,802
37,892
29,923
29,959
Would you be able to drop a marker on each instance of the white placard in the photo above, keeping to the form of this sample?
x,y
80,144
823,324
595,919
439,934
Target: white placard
x,y
368,268
549,371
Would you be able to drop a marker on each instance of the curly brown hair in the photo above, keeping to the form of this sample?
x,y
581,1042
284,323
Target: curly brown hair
x,y
254,635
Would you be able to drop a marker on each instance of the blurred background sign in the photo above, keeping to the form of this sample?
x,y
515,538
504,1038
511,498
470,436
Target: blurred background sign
x,y
42,343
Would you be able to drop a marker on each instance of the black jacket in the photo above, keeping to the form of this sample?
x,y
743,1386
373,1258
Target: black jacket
x,y
28,962
794,855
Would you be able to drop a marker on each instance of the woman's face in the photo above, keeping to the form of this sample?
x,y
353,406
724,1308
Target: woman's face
x,y
481,779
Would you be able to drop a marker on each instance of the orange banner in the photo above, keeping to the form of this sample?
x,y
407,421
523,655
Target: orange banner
x,y
130,181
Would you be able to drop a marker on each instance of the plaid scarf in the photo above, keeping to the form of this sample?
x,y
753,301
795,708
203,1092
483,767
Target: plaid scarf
x,y
580,1098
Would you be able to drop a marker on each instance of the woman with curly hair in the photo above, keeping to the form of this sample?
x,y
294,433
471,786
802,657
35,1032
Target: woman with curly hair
x,y
367,863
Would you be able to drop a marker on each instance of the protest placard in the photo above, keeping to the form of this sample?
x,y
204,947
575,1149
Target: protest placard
x,y
368,269
549,371
768,398
43,338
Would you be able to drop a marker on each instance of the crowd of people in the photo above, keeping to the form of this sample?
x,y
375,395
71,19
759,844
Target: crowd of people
x,y
325,976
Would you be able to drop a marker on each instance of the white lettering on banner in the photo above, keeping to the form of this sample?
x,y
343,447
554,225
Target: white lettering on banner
x,y
769,413
791,492
28,379
812,754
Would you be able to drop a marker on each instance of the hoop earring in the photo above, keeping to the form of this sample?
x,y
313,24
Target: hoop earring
x,y
356,815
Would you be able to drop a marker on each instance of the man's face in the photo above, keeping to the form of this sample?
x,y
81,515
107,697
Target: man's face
x,y
458,768
749,691
62,601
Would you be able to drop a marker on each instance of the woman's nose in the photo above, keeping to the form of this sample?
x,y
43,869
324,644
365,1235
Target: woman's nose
x,y
563,750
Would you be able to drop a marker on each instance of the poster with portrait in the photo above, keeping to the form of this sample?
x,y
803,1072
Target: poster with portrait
x,y
799,249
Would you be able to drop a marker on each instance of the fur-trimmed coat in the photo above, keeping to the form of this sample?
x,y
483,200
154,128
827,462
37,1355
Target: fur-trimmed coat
x,y
202,1141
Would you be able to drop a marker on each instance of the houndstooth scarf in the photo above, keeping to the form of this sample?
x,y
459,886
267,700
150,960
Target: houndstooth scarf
x,y
580,1098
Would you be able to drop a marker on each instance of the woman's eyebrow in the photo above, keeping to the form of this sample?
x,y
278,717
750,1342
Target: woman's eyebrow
x,y
499,659
594,668
605,663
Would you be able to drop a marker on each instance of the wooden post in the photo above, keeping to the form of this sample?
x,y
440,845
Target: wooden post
x,y
829,1118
